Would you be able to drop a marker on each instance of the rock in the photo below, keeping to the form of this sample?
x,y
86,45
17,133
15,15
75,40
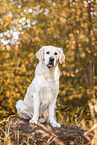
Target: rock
x,y
21,132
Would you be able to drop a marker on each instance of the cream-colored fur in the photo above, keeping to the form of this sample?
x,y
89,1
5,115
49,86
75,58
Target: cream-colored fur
x,y
42,93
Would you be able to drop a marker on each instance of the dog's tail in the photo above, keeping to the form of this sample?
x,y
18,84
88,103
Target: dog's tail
x,y
19,105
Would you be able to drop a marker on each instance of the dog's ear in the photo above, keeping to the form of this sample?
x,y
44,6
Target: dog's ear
x,y
40,54
61,55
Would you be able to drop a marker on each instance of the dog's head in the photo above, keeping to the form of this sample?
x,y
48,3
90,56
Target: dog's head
x,y
50,55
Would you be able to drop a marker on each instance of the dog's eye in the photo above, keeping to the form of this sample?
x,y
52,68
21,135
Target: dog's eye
x,y
55,53
47,52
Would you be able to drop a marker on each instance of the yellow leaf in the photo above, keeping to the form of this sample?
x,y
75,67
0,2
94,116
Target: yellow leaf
x,y
67,74
95,87
29,41
6,24
77,70
72,75
64,73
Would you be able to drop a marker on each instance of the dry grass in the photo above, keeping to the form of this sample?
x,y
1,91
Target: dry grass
x,y
92,123
6,139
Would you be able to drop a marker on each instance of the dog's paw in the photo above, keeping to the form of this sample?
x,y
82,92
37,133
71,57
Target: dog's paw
x,y
56,125
33,121
41,120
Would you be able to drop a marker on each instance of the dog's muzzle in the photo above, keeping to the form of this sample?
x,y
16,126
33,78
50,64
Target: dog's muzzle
x,y
51,62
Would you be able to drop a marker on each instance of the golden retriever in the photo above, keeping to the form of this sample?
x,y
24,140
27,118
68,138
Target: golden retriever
x,y
42,93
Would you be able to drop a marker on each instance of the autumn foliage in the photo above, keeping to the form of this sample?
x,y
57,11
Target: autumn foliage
x,y
27,25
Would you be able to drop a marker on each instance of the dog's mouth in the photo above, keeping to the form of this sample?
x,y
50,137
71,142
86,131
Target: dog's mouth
x,y
50,65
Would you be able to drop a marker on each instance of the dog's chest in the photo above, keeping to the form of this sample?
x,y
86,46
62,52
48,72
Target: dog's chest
x,y
47,96
49,91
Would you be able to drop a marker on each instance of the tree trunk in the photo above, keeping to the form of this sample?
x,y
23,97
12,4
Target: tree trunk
x,y
21,132
90,46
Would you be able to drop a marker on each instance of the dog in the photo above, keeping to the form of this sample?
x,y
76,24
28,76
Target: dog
x,y
42,93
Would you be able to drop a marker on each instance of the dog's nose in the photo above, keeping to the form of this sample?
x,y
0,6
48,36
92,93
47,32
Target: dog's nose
x,y
51,59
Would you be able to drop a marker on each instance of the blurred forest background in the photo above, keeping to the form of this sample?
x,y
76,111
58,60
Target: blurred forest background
x,y
27,25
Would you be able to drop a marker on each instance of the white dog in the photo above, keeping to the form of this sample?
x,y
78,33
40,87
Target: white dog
x,y
42,93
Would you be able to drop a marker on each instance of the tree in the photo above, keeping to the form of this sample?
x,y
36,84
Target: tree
x,y
28,25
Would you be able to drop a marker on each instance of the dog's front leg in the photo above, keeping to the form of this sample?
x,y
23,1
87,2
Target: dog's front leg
x,y
52,114
36,104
